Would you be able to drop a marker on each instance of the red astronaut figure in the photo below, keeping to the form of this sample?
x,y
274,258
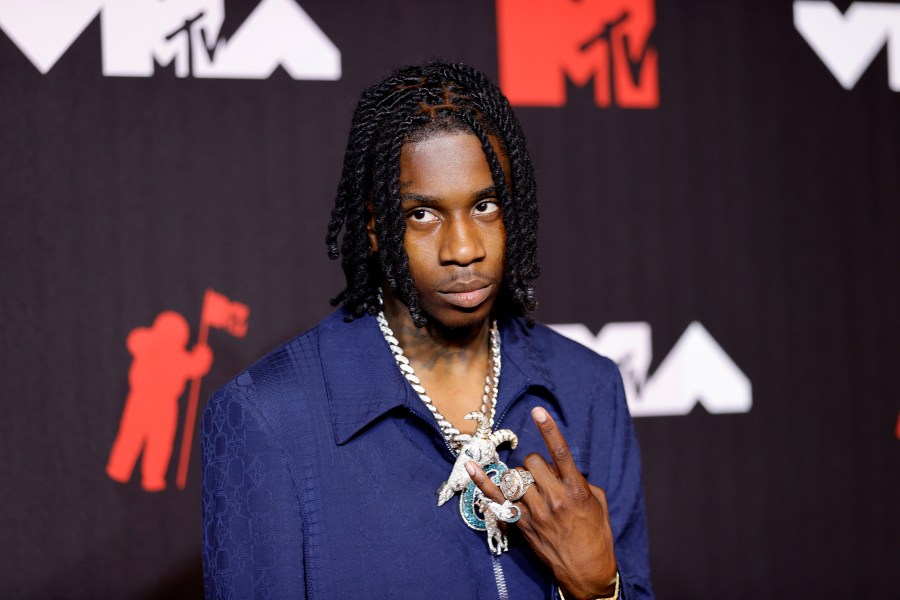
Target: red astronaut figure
x,y
161,367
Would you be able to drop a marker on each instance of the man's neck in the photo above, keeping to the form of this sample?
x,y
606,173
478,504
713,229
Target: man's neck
x,y
438,349
451,364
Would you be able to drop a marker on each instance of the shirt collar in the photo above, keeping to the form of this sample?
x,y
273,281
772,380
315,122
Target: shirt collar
x,y
522,367
363,382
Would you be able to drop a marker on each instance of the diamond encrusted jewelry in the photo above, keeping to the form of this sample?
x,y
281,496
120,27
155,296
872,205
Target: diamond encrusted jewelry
x,y
514,483
491,382
480,447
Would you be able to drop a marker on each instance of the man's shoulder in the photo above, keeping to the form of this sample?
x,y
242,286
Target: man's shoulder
x,y
585,385
290,371
559,354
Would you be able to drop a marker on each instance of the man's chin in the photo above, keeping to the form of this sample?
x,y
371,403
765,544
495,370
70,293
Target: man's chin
x,y
461,318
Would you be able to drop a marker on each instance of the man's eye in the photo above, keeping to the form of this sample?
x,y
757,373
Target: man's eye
x,y
420,215
487,207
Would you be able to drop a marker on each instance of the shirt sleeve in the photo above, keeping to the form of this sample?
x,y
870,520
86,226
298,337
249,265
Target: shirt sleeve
x,y
625,495
252,527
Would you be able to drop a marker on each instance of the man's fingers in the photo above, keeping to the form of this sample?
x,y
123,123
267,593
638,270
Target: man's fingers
x,y
544,474
556,444
484,482
600,495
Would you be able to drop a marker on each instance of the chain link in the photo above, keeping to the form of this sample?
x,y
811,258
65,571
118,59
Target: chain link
x,y
491,381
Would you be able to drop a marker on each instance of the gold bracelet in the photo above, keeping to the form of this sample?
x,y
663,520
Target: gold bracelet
x,y
615,595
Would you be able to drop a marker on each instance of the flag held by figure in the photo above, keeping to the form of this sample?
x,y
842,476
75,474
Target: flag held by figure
x,y
219,312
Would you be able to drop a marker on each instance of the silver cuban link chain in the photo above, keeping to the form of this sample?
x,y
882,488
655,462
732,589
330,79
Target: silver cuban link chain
x,y
480,447
491,382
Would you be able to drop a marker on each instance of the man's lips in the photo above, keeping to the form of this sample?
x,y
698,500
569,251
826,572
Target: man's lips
x,y
467,294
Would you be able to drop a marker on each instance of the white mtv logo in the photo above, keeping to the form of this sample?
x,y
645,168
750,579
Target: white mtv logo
x,y
847,43
695,370
137,34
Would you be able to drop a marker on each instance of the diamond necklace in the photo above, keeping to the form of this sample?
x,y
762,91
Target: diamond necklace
x,y
491,381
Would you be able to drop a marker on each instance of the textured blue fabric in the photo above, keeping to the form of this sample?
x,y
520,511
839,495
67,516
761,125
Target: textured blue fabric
x,y
320,467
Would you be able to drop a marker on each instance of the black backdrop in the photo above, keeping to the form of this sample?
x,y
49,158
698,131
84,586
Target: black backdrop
x,y
759,198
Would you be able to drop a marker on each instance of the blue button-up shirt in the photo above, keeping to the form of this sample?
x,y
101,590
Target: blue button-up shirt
x,y
320,467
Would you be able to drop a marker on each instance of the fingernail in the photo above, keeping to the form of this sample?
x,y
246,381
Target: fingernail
x,y
470,468
539,414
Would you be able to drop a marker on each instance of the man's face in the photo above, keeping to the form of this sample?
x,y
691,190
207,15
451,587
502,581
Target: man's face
x,y
455,237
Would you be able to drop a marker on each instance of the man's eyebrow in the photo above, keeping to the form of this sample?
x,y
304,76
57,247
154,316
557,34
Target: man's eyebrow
x,y
490,190
409,197
419,199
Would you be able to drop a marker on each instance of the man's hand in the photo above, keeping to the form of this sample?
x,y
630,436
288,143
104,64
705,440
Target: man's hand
x,y
564,518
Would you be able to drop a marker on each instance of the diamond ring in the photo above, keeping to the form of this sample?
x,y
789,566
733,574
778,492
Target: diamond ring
x,y
514,483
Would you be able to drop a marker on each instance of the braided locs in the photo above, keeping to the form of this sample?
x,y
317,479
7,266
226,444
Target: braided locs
x,y
408,106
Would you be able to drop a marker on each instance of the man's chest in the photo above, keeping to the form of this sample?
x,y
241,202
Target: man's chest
x,y
372,520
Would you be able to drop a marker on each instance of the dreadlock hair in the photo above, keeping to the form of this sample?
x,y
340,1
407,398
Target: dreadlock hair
x,y
414,103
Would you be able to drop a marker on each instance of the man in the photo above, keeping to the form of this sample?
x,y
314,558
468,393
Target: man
x,y
351,462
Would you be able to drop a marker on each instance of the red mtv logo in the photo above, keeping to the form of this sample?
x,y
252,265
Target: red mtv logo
x,y
542,42
161,367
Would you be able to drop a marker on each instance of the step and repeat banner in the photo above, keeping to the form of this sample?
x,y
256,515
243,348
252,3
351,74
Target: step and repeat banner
x,y
719,186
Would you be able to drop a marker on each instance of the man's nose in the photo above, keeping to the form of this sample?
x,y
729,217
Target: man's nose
x,y
462,243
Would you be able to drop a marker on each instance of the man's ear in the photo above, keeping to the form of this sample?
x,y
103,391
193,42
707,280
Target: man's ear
x,y
370,228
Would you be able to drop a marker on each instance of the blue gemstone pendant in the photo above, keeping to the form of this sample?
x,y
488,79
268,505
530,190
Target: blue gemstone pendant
x,y
467,508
